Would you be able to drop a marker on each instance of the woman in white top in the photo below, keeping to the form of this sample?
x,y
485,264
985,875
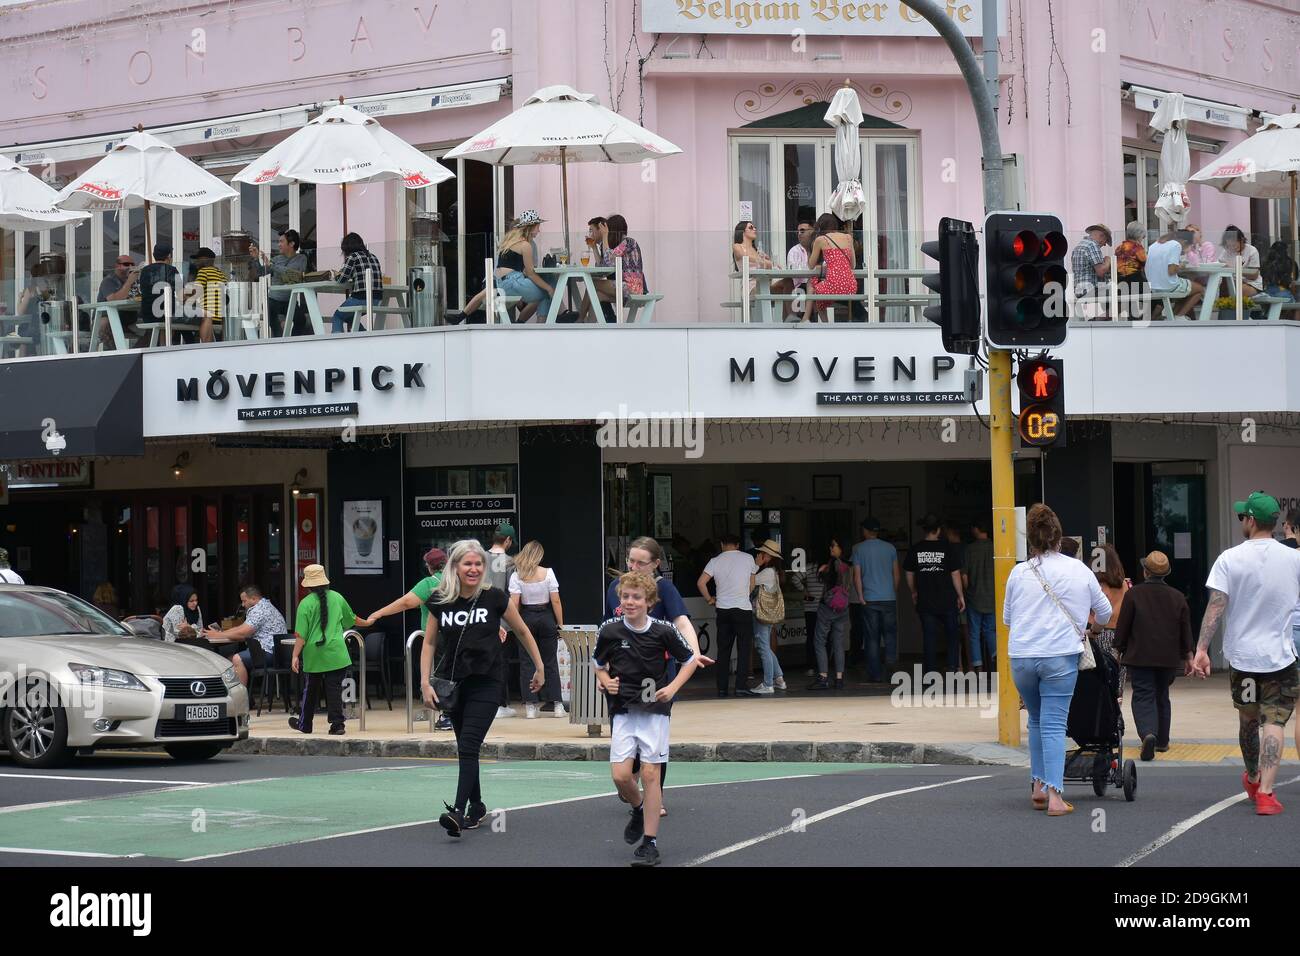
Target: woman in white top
x,y
770,577
1235,246
535,594
185,619
1045,644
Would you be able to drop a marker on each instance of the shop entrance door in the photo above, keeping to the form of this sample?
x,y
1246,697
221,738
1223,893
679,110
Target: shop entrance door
x,y
1176,525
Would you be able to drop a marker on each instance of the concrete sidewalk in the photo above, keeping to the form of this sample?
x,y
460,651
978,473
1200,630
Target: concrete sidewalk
x,y
863,723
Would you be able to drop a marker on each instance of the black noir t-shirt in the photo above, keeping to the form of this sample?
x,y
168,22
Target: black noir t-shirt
x,y
933,563
472,640
637,660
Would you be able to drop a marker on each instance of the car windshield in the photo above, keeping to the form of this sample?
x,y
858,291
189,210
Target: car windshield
x,y
37,613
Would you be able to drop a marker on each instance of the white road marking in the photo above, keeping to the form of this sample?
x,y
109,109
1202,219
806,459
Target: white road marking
x,y
1182,826
826,815
97,856
47,776
527,806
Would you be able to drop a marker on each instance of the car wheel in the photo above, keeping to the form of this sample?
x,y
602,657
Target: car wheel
x,y
35,731
194,752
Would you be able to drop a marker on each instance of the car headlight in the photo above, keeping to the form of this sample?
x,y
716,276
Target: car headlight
x,y
228,677
106,677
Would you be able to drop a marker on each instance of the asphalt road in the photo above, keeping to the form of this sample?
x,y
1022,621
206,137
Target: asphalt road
x,y
142,810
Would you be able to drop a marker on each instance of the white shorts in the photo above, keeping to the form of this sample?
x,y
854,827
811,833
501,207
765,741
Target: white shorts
x,y
639,733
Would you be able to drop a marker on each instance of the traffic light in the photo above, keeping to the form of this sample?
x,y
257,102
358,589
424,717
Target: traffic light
x,y
1025,279
1042,402
957,282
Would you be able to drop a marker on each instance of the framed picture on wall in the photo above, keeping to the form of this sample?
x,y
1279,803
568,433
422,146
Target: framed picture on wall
x,y
661,506
827,488
458,481
363,537
892,507
496,481
720,498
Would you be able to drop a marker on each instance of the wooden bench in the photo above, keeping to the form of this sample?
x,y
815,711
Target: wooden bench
x,y
642,306
14,342
360,310
1277,306
504,303
155,330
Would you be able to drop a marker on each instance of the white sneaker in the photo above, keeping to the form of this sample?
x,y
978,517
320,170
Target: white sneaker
x,y
762,689
505,712
530,711
560,712
779,684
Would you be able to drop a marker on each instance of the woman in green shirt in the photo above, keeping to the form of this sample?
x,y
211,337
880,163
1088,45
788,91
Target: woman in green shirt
x,y
319,649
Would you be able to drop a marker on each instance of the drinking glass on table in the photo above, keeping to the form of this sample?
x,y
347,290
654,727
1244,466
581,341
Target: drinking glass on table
x,y
586,258
563,257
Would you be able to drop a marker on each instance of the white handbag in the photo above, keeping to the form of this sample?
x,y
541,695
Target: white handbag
x,y
1087,661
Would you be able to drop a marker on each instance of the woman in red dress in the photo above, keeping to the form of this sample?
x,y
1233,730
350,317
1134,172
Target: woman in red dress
x,y
833,247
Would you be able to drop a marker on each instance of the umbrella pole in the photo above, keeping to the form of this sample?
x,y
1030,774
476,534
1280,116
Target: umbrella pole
x,y
564,187
344,187
148,244
1295,226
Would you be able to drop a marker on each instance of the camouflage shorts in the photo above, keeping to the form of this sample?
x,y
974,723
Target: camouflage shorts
x,y
1273,694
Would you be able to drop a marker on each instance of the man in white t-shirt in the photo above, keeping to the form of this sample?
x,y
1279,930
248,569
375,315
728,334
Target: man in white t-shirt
x,y
1253,589
1163,263
733,573
7,574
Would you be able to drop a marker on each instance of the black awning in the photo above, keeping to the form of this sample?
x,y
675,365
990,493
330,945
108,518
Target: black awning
x,y
96,403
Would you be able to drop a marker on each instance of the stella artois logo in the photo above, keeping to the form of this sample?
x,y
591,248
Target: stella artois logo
x,y
1239,168
100,191
266,175
485,142
414,180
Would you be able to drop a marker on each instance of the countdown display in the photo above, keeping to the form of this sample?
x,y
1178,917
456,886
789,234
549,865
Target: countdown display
x,y
1042,402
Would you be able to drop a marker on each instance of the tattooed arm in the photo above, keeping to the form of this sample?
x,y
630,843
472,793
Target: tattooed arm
x,y
1214,614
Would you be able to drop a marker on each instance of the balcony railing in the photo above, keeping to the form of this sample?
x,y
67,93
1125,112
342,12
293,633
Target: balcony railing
x,y
686,278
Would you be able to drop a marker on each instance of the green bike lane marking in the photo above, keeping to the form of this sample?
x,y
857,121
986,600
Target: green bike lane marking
x,y
221,818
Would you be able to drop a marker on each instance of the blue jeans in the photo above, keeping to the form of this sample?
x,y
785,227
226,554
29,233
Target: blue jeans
x,y
516,283
983,638
879,626
763,644
341,318
1047,685
931,626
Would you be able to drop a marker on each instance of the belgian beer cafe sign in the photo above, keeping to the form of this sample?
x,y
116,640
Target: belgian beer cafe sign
x,y
816,17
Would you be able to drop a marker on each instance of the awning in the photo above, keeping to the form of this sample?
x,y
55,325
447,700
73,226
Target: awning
x,y
246,125
1148,99
95,402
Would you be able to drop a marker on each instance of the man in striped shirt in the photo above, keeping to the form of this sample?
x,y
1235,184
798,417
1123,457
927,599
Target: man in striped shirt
x,y
211,283
358,261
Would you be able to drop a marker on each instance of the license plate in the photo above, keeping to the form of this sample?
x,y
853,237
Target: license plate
x,y
200,711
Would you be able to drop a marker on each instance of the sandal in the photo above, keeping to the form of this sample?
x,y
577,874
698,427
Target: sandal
x,y
663,811
1038,804
1069,808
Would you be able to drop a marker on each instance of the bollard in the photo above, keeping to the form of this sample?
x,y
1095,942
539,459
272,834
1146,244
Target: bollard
x,y
361,647
410,715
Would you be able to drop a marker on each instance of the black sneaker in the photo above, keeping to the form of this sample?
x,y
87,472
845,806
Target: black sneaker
x,y
296,724
635,826
453,821
474,815
1149,747
647,854
722,694
337,730
839,683
820,684
443,723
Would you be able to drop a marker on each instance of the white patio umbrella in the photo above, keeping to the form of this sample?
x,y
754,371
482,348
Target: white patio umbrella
x,y
27,203
557,124
845,114
339,147
142,170
1263,167
1170,118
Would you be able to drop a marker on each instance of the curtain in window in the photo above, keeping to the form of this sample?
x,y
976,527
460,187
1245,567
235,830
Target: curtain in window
x,y
755,188
894,243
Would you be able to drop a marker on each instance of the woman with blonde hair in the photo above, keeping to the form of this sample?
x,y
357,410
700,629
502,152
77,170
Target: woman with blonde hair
x,y
535,595
471,614
1046,606
516,273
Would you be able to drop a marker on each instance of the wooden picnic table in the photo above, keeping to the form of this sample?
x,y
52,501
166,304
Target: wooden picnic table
x,y
113,311
309,291
1211,276
564,274
765,297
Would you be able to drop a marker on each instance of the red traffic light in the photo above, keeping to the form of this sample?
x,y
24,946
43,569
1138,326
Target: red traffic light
x,y
1053,245
1023,245
1038,380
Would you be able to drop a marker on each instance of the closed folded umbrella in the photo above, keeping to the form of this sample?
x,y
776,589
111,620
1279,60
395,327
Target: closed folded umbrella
x,y
557,124
1170,118
339,147
27,203
845,114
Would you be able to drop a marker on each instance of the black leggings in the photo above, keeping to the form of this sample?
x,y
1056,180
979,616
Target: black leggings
x,y
476,708
540,620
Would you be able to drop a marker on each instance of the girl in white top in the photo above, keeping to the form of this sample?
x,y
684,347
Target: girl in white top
x,y
535,594
1044,647
1236,247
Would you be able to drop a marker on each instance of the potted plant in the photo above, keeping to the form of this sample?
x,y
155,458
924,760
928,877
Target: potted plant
x,y
1226,306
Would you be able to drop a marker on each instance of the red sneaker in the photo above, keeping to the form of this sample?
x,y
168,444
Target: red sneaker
x,y
1266,804
1251,788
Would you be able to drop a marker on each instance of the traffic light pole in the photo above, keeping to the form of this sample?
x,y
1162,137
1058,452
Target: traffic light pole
x,y
1000,424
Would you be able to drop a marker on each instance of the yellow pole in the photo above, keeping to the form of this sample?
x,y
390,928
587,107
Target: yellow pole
x,y
1004,532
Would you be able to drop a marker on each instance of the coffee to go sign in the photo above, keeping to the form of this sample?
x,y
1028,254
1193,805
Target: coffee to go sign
x,y
817,17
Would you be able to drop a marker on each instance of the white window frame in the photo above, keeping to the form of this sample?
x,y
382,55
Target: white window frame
x,y
1142,154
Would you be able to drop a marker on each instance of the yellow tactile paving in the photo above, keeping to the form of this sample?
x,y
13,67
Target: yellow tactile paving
x,y
1209,753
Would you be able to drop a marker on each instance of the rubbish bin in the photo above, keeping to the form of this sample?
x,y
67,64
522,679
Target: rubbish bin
x,y
587,703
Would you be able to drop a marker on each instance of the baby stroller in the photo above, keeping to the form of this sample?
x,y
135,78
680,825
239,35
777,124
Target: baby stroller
x,y
1097,726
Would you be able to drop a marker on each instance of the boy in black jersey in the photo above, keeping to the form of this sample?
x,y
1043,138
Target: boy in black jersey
x,y
631,670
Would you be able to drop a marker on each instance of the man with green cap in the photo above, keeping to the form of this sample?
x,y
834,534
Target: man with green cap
x,y
1253,589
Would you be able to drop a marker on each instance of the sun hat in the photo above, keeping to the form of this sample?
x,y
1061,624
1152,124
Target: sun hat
x,y
1259,506
529,217
770,548
1157,563
313,576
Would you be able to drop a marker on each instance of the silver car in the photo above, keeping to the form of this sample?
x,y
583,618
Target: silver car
x,y
73,679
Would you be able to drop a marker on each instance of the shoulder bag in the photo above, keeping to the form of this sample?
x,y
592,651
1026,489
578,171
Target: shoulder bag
x,y
769,607
1087,661
443,687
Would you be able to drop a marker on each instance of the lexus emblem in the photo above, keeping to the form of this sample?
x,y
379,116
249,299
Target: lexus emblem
x,y
198,688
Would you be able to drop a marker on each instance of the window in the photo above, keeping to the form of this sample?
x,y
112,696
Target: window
x,y
1142,188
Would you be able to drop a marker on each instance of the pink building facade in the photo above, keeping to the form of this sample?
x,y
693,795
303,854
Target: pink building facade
x,y
1078,83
